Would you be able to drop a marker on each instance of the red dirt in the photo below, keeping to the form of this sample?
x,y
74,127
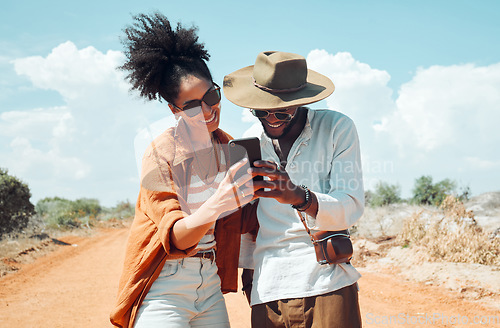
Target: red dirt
x,y
75,286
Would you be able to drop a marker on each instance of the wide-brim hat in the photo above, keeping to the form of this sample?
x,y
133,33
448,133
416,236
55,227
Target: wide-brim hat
x,y
277,80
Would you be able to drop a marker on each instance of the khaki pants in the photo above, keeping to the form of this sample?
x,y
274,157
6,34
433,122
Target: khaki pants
x,y
337,309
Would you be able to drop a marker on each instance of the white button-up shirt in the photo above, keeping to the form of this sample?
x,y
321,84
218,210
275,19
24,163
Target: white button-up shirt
x,y
326,159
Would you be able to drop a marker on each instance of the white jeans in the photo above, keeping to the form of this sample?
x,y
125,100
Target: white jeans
x,y
186,294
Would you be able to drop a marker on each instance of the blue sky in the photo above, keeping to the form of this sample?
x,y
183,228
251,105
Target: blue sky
x,y
421,80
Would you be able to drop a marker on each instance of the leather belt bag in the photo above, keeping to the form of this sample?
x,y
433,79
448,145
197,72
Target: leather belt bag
x,y
332,247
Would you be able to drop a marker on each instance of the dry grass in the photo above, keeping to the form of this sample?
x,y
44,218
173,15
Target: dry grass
x,y
57,219
383,220
451,235
26,247
15,253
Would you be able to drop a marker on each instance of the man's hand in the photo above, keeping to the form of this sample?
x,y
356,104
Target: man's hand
x,y
277,182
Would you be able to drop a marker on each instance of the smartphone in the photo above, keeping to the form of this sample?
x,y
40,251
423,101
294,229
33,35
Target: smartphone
x,y
245,148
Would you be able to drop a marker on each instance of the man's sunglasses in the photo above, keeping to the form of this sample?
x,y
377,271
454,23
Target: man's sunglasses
x,y
280,116
211,97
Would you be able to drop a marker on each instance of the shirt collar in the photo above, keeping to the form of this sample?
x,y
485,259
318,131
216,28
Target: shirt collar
x,y
183,145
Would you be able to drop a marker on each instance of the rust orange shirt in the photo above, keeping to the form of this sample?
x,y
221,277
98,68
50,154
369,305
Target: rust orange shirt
x,y
165,174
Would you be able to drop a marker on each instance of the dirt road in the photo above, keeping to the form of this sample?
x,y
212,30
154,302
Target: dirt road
x,y
75,286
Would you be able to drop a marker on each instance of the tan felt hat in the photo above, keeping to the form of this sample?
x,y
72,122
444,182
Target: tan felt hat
x,y
277,80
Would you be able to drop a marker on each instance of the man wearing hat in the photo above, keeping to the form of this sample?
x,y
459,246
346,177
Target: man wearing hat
x,y
312,168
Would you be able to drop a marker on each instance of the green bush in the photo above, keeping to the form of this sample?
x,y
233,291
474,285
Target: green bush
x,y
63,213
87,206
384,194
124,210
427,193
15,206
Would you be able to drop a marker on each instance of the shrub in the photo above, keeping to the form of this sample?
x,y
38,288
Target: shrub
x,y
63,213
385,194
122,210
15,206
427,193
86,206
454,236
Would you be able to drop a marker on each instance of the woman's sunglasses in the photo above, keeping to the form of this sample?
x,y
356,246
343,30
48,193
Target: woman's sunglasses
x,y
280,116
211,97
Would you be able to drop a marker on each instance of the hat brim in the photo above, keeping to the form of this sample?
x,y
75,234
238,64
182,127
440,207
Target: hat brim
x,y
239,88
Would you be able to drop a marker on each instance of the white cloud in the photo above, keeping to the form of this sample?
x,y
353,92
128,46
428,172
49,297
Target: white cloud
x,y
38,124
448,106
36,139
86,147
67,68
28,160
361,92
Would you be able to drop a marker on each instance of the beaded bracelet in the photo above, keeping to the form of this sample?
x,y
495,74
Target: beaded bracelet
x,y
307,203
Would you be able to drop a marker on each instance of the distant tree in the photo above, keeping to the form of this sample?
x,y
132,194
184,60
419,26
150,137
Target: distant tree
x,y
385,194
15,206
427,193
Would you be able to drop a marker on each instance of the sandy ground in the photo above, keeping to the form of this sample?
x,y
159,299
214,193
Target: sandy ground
x,y
75,286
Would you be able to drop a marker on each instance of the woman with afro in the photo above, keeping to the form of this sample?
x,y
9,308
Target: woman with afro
x,y
183,248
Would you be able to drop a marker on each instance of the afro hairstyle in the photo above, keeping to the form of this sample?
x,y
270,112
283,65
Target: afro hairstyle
x,y
158,56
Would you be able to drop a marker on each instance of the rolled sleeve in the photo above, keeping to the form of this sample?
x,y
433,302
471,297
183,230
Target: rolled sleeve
x,y
163,210
337,211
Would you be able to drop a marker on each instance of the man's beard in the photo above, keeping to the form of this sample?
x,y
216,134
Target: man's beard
x,y
287,128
